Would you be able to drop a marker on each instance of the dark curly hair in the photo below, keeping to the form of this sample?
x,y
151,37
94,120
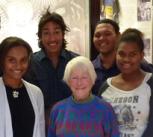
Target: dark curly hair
x,y
52,17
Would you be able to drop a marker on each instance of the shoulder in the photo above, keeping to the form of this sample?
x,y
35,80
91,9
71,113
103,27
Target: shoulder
x,y
60,107
146,66
150,80
38,56
97,62
103,105
73,54
69,54
33,89
103,87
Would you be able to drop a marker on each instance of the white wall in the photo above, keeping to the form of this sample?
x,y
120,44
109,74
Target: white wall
x,y
128,18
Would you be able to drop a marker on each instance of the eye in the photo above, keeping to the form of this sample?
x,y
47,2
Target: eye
x,y
25,60
11,60
85,77
45,32
57,31
73,78
121,54
133,54
107,34
97,35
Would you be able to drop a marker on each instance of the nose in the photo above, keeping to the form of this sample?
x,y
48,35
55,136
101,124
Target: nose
x,y
79,81
126,58
18,65
101,37
51,37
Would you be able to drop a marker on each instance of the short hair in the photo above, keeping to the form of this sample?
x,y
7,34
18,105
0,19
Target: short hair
x,y
132,35
82,63
112,23
9,43
52,17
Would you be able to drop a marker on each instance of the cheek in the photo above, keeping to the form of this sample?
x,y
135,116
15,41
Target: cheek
x,y
7,65
25,66
71,84
118,58
95,40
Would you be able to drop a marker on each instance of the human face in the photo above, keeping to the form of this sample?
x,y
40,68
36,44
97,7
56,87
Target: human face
x,y
80,83
15,64
52,38
129,57
105,38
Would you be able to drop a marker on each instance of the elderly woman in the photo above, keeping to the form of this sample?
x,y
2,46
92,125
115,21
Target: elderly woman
x,y
82,114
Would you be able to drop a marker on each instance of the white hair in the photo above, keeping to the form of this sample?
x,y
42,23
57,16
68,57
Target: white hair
x,y
80,62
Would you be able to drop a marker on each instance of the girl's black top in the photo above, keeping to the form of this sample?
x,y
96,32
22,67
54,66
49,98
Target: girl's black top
x,y
22,112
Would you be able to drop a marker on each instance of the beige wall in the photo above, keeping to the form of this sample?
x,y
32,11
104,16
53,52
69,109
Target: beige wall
x,y
128,18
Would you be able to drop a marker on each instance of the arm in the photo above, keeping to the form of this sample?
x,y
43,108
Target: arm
x,y
149,129
110,124
52,129
41,114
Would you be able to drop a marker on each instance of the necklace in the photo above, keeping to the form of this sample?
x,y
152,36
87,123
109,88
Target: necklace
x,y
14,90
15,93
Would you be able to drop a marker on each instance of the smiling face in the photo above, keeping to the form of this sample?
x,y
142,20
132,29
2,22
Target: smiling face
x,y
80,83
105,38
129,57
15,64
52,38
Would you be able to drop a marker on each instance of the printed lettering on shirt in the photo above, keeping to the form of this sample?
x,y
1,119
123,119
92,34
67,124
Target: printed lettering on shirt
x,y
128,114
132,99
126,135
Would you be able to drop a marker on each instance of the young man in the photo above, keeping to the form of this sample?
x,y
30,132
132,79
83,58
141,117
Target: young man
x,y
48,64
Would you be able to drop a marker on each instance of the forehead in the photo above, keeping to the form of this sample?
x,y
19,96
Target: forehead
x,y
79,69
18,50
128,46
104,27
52,25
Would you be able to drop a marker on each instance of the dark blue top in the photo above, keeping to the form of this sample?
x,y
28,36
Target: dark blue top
x,y
103,73
49,79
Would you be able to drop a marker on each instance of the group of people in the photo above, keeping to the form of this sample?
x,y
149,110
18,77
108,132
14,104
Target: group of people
x,y
56,92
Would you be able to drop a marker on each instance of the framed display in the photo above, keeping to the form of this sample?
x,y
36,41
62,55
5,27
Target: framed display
x,y
20,18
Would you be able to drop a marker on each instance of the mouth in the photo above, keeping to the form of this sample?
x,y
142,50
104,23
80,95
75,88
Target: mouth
x,y
126,66
52,44
103,44
18,72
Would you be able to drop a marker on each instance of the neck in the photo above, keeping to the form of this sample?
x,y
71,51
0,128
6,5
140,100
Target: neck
x,y
13,83
83,100
134,76
54,58
108,59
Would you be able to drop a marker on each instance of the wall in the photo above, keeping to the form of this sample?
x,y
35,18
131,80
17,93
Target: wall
x,y
128,18
20,18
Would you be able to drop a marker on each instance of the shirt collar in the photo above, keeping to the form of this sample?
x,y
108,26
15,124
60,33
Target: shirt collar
x,y
42,54
99,65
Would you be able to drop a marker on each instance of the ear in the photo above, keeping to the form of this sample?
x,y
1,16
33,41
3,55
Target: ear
x,y
142,55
